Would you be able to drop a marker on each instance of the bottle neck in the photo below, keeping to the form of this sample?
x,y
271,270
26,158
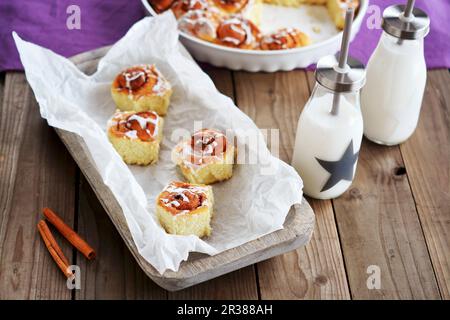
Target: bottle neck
x,y
401,46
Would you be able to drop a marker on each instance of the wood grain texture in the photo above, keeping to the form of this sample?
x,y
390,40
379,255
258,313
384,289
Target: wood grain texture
x,y
427,158
378,225
317,270
114,274
35,171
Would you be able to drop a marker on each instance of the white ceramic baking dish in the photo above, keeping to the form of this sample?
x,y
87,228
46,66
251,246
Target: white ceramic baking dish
x,y
268,61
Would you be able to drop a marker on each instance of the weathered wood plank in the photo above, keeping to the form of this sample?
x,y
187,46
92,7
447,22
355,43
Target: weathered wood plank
x,y
316,271
2,84
35,171
240,284
222,78
114,274
426,155
378,225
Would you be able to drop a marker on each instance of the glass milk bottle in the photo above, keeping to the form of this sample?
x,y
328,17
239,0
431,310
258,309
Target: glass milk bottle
x,y
330,129
396,77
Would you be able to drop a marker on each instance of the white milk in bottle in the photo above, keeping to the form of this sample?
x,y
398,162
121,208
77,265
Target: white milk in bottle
x,y
330,127
396,75
327,145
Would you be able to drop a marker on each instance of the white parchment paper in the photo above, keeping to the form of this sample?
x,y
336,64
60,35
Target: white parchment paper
x,y
249,205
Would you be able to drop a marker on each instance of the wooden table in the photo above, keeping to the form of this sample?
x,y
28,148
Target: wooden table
x,y
396,215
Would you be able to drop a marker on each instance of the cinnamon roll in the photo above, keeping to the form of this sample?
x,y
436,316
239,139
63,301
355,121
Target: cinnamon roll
x,y
185,209
286,38
199,23
136,136
206,157
160,5
238,32
181,7
141,88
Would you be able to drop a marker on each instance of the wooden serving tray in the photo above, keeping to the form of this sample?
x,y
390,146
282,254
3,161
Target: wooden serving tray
x,y
297,230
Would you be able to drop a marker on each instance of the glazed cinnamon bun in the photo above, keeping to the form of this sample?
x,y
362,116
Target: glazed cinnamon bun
x,y
136,136
238,32
199,23
141,88
206,157
181,7
185,209
286,38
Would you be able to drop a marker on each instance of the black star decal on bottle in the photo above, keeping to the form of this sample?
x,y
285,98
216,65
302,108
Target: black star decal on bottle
x,y
341,169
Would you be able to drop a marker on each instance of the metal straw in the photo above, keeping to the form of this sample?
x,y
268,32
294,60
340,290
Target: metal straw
x,y
409,8
343,55
407,13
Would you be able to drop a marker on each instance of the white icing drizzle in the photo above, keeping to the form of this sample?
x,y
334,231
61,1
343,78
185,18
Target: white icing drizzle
x,y
179,191
200,20
132,134
275,37
234,41
174,203
192,189
149,71
184,152
121,118
236,29
161,84
143,121
241,26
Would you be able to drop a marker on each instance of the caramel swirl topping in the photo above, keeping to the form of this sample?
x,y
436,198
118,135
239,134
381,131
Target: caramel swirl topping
x,y
286,38
199,23
141,125
140,81
204,146
180,7
237,32
208,142
181,197
133,78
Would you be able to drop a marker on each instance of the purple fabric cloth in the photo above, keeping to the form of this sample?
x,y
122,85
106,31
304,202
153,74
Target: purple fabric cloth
x,y
437,42
104,22
44,22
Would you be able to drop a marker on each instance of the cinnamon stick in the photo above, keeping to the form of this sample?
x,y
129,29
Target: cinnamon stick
x,y
50,240
69,234
54,249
